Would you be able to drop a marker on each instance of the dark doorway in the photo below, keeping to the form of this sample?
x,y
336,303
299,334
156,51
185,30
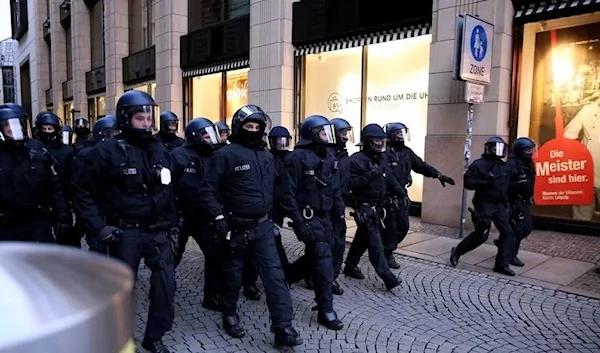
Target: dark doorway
x,y
25,77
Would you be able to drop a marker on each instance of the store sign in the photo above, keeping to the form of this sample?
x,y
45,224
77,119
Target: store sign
x,y
384,101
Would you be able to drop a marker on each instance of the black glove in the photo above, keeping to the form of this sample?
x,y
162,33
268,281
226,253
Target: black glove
x,y
173,234
108,234
301,230
221,226
445,180
374,172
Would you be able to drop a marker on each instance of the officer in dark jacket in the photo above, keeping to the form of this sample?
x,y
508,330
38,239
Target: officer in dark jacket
x,y
48,131
368,187
125,196
490,178
190,167
344,134
223,132
31,194
312,197
237,194
402,160
169,124
520,192
82,131
105,128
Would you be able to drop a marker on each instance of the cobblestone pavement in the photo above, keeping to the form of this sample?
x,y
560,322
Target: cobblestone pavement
x,y
437,309
571,246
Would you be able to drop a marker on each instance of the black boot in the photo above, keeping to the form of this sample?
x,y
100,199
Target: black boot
x,y
392,262
353,272
232,326
504,270
517,262
154,346
454,257
393,283
251,292
287,337
336,289
330,320
309,283
211,304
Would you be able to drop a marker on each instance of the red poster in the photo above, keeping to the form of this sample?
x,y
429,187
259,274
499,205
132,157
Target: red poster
x,y
564,168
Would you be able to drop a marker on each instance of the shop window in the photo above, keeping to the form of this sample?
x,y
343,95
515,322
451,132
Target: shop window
x,y
559,108
68,115
96,108
333,86
397,84
236,95
206,96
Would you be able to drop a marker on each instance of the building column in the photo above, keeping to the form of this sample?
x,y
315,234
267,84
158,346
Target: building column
x,y
447,110
58,41
82,54
171,24
271,76
38,60
116,34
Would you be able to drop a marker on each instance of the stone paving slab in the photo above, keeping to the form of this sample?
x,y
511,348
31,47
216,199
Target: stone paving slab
x,y
559,270
414,238
479,255
532,260
433,247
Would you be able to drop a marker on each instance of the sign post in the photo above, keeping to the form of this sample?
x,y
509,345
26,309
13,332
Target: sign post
x,y
472,63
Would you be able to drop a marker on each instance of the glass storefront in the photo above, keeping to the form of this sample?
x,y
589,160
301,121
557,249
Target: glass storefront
x,y
559,107
96,108
375,84
207,98
67,107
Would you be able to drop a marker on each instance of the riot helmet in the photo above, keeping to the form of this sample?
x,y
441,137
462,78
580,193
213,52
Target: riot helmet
x,y
223,131
201,131
524,147
13,126
397,134
279,138
169,123
316,129
248,125
373,138
136,111
81,127
495,146
17,109
105,128
67,135
47,127
343,131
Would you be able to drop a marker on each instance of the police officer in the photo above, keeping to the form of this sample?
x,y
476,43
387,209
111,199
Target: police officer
x,y
169,124
82,131
31,194
105,128
490,178
312,196
190,167
125,196
368,187
402,160
343,134
48,131
67,135
223,133
238,195
520,193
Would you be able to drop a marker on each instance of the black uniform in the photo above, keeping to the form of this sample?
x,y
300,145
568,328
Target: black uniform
x,y
490,178
338,245
368,185
243,179
121,189
312,197
401,160
520,195
170,140
31,193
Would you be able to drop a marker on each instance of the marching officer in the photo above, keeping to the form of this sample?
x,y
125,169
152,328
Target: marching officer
x,y
169,124
190,167
368,187
520,193
402,160
31,194
48,131
238,196
124,195
312,197
490,178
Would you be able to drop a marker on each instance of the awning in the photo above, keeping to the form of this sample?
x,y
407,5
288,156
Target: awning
x,y
361,40
555,8
217,67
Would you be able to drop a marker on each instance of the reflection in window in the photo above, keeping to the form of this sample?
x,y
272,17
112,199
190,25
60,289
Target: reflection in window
x,y
236,95
206,96
333,86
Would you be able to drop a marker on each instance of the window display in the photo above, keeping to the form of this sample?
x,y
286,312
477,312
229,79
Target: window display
x,y
96,108
560,109
236,95
397,80
206,96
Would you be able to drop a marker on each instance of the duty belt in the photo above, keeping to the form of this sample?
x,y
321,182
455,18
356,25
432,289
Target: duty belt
x,y
249,221
139,224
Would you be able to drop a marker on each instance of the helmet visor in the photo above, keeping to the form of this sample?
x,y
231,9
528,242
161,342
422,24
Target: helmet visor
x,y
108,133
66,138
531,152
326,134
81,123
402,135
209,135
377,144
142,117
12,129
279,143
500,149
347,135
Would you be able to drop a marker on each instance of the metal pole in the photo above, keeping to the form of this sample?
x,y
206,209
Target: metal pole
x,y
468,140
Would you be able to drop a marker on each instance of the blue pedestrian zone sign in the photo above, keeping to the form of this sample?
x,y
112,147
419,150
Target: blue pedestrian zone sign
x,y
476,50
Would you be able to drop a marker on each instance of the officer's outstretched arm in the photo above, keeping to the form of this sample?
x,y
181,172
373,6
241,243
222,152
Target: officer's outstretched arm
x,y
211,185
418,165
289,184
87,183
